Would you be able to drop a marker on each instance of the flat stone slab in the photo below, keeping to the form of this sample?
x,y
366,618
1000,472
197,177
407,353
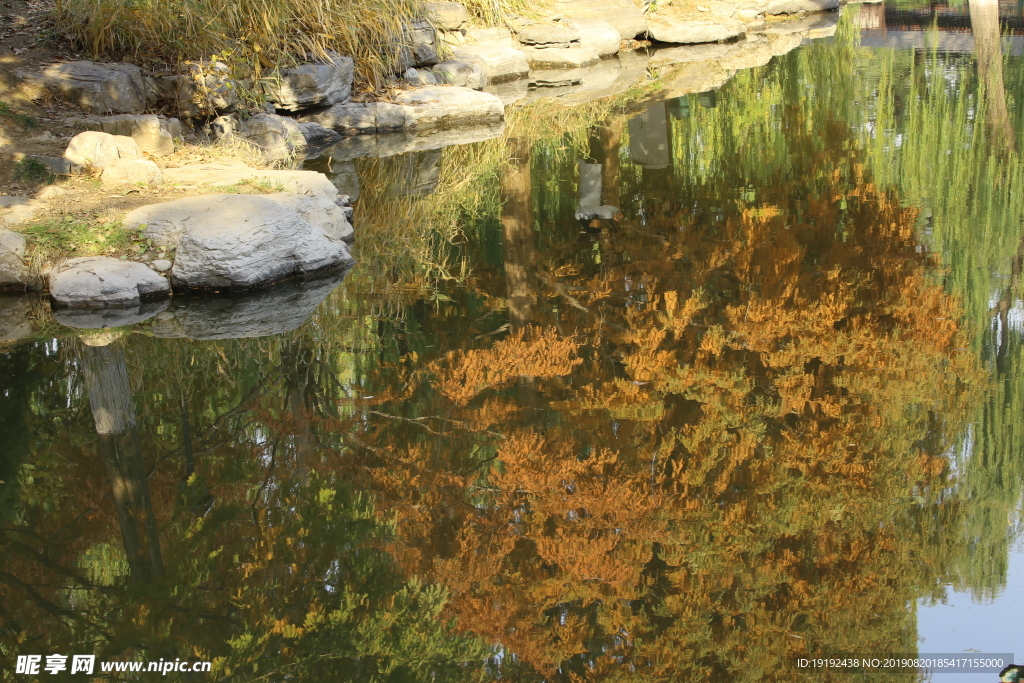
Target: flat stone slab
x,y
794,6
560,57
627,18
448,107
358,118
100,88
226,241
596,34
681,32
309,183
545,34
500,64
131,173
96,281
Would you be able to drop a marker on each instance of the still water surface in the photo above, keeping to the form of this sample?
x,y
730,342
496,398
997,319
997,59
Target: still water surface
x,y
643,390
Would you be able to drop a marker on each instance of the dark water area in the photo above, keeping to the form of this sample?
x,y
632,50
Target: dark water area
x,y
646,389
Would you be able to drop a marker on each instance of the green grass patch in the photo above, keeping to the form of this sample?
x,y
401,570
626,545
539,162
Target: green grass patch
x,y
26,121
32,171
70,236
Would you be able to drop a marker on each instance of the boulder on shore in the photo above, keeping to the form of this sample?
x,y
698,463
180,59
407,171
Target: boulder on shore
x,y
130,173
153,134
596,34
13,271
682,32
500,63
201,89
96,87
310,85
626,17
447,16
226,241
276,137
447,107
96,281
95,150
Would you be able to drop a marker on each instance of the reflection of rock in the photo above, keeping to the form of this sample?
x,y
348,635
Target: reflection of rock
x,y
608,77
649,137
15,318
361,146
346,178
509,92
95,281
242,241
317,138
114,316
253,314
418,173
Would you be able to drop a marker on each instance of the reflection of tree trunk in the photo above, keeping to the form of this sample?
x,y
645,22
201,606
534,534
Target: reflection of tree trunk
x,y
106,380
517,225
989,54
604,149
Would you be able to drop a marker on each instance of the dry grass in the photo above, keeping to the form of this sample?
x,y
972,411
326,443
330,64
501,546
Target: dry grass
x,y
255,34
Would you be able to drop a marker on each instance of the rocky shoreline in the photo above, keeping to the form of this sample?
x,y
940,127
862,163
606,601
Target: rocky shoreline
x,y
302,228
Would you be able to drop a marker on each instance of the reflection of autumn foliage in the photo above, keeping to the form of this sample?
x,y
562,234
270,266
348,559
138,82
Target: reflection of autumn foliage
x,y
719,480
462,375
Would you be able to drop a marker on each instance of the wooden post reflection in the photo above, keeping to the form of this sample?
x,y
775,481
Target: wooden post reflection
x,y
989,54
113,411
517,228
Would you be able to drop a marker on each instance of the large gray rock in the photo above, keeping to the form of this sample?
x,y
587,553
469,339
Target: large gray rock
x,y
596,34
463,74
276,137
545,35
447,16
310,85
419,47
447,107
794,6
224,174
95,150
15,318
702,52
201,89
627,18
317,138
131,173
358,118
13,269
95,281
500,64
245,241
96,87
560,57
263,313
153,134
666,29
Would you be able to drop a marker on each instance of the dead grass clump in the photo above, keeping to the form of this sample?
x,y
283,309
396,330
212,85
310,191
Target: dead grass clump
x,y
262,34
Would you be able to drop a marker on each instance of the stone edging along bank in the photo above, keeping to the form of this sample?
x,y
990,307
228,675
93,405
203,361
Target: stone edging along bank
x,y
226,242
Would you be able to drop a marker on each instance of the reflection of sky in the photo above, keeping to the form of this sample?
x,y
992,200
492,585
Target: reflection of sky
x,y
962,625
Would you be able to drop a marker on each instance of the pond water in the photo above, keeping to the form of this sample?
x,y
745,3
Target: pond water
x,y
641,389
